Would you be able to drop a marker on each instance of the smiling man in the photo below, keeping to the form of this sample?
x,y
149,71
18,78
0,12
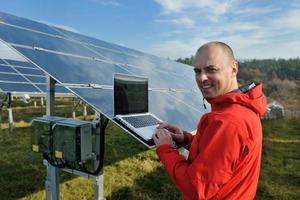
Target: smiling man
x,y
225,153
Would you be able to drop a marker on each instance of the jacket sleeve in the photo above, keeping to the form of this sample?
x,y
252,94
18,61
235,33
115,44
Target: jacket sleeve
x,y
219,150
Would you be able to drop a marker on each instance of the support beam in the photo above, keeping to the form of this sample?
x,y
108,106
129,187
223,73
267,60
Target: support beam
x,y
84,112
10,119
10,114
52,180
42,101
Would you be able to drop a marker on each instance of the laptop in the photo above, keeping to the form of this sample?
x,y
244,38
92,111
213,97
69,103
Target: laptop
x,y
131,106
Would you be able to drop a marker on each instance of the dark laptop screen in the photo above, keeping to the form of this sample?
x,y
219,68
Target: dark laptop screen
x,y
130,94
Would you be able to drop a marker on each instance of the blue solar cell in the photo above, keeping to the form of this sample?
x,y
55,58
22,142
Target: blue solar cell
x,y
173,111
193,99
100,99
5,68
74,70
20,63
90,42
11,19
17,87
33,71
12,77
23,37
1,62
36,79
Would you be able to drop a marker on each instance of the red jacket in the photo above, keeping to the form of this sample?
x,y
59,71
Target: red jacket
x,y
225,153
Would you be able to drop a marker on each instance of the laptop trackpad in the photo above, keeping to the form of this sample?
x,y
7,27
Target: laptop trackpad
x,y
147,132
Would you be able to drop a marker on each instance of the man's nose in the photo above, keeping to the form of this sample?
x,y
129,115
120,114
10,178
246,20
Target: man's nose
x,y
201,77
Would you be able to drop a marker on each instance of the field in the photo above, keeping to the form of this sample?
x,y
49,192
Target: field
x,y
131,171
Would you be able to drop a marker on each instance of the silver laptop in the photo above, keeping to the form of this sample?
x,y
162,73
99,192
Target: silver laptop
x,y
131,105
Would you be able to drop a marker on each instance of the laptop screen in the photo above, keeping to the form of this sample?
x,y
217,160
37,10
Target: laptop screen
x,y
130,94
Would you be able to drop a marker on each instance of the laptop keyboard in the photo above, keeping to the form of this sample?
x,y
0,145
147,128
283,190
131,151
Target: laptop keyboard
x,y
141,121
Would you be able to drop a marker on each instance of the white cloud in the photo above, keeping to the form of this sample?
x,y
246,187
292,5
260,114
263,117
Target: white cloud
x,y
291,20
255,11
172,33
175,48
215,8
183,21
107,2
269,31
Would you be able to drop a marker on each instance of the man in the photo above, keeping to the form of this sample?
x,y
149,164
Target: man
x,y
225,153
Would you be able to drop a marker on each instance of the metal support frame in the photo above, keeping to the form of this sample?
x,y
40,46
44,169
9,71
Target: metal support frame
x,y
52,180
10,113
84,112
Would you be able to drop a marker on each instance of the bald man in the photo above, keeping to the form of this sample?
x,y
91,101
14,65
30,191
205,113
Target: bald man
x,y
225,153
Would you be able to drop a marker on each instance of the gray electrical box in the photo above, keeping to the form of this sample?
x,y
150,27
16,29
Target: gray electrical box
x,y
62,139
72,140
41,137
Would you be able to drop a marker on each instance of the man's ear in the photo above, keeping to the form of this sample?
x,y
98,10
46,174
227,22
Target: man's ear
x,y
235,68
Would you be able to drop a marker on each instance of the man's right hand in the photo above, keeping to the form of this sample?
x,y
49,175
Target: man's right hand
x,y
176,133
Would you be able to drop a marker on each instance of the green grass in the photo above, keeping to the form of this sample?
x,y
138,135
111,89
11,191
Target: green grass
x,y
131,171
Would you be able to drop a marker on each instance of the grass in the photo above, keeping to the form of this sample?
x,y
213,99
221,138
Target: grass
x,y
131,171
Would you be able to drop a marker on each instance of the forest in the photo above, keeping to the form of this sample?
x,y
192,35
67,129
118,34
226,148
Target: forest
x,y
280,78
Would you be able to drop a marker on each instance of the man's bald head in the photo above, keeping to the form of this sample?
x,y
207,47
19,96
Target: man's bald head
x,y
225,48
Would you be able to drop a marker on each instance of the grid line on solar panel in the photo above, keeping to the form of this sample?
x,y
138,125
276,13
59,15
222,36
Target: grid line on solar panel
x,y
76,41
22,74
17,66
18,73
91,58
73,55
27,23
101,60
61,37
18,87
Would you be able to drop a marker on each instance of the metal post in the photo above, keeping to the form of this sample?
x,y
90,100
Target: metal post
x,y
34,103
73,109
0,118
42,101
84,112
100,136
52,180
10,119
9,110
99,183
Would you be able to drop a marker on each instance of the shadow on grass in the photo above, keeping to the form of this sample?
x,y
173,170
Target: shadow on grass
x,y
21,171
154,185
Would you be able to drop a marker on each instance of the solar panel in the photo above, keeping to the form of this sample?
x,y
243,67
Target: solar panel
x,y
86,66
19,76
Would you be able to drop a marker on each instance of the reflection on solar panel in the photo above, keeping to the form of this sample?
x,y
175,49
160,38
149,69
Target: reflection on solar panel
x,y
20,77
86,65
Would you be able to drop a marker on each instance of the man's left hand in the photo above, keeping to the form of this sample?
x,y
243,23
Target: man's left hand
x,y
162,136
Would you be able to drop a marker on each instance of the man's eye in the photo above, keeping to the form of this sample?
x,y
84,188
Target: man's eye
x,y
212,69
197,71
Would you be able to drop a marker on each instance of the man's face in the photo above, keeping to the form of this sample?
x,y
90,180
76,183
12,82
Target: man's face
x,y
215,73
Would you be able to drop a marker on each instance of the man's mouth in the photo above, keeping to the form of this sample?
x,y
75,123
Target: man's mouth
x,y
206,86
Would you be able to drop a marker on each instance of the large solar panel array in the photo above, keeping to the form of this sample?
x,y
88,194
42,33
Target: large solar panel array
x,y
86,65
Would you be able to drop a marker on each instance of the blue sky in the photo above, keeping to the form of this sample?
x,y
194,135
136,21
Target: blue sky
x,y
176,28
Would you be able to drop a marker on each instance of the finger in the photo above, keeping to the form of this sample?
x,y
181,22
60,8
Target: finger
x,y
162,125
155,138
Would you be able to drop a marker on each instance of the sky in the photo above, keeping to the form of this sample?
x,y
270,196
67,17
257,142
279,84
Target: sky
x,y
176,28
